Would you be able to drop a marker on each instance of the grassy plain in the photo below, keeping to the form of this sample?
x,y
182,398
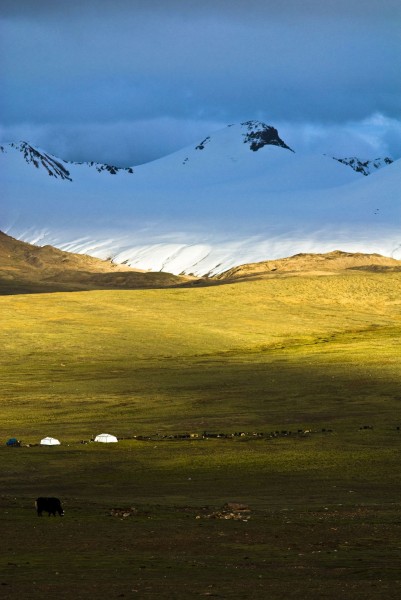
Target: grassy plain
x,y
290,353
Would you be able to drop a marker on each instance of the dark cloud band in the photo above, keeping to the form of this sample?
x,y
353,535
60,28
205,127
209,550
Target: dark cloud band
x,y
185,61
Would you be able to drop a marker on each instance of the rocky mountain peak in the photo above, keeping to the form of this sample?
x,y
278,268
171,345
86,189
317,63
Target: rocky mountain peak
x,y
255,134
258,134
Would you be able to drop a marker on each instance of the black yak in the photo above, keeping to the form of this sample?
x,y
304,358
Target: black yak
x,y
49,505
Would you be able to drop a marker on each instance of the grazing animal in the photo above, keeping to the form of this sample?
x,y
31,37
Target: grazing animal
x,y
49,505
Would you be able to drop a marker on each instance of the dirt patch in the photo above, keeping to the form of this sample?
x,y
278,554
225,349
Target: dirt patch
x,y
229,511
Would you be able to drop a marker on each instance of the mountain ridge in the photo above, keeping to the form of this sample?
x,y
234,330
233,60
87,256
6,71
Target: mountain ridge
x,y
206,208
366,167
36,156
257,135
25,268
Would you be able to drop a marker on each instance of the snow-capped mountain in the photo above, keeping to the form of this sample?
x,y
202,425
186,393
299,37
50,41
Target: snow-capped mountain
x,y
239,195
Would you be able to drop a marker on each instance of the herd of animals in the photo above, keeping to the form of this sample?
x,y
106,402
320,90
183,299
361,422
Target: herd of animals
x,y
53,506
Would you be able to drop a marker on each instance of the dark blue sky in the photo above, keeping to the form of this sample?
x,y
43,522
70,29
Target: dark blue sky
x,y
130,80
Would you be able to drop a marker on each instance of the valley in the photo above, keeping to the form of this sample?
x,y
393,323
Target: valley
x,y
200,300
231,313
317,356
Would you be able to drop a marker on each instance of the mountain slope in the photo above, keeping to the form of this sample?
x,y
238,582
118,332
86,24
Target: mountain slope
x,y
306,264
25,268
240,195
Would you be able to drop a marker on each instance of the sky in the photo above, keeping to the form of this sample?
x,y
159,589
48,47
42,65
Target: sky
x,y
128,81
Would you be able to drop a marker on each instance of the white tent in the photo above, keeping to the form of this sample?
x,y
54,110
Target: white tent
x,y
106,438
49,441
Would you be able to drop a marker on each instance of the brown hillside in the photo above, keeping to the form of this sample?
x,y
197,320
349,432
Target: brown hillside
x,y
25,268
316,264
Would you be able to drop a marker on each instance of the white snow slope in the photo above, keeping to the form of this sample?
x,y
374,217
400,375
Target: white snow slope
x,y
241,195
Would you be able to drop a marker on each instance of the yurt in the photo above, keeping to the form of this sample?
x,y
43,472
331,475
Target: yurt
x,y
106,438
49,441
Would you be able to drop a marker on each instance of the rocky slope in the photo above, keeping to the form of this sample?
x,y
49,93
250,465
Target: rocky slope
x,y
366,167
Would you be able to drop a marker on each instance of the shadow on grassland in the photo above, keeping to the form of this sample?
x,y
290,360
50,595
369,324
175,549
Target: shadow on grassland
x,y
349,382
77,281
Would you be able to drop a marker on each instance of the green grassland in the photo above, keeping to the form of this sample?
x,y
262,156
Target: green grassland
x,y
286,354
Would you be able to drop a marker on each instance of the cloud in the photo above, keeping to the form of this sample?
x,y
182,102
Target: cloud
x,y
269,8
93,66
167,66
376,136
125,143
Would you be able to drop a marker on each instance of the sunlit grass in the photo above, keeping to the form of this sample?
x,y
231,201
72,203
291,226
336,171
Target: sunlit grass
x,y
256,353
